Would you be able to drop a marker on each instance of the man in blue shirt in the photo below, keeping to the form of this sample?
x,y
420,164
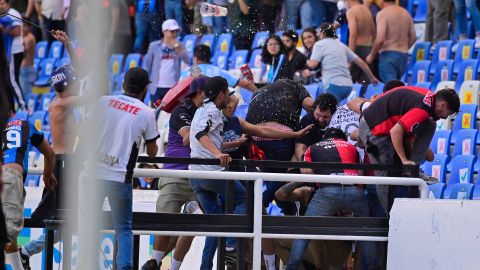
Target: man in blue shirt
x,y
201,58
148,20
18,137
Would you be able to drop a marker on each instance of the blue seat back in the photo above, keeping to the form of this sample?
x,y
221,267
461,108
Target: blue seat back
x,y
23,115
56,50
442,52
220,60
224,44
436,191
189,43
443,72
437,168
133,60
466,117
461,191
38,119
421,72
47,66
440,143
246,95
462,170
259,39
374,90
209,40
241,111
41,50
256,58
61,62
313,90
465,142
32,102
467,71
465,50
45,101
420,11
115,64
420,52
238,59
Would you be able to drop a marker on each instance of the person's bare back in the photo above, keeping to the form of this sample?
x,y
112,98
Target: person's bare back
x,y
396,24
28,50
64,126
360,22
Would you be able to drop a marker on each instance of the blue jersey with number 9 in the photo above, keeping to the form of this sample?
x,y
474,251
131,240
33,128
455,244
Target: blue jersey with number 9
x,y
17,140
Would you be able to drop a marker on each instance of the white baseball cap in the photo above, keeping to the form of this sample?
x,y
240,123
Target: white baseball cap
x,y
170,25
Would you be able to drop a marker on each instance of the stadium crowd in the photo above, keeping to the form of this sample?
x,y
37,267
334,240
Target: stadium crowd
x,y
281,121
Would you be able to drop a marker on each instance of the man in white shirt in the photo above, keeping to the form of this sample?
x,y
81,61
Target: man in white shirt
x,y
54,13
15,31
121,122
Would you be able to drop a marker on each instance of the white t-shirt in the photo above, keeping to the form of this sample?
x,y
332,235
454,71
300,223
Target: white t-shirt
x,y
347,121
17,43
122,123
166,78
208,120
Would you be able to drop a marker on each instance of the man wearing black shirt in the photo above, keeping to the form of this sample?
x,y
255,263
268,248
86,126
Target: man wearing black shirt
x,y
325,107
295,60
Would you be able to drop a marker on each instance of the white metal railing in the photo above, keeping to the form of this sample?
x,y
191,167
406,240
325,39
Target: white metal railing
x,y
258,179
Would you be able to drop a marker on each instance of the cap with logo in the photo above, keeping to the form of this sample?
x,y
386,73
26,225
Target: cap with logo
x,y
214,86
170,25
135,80
63,77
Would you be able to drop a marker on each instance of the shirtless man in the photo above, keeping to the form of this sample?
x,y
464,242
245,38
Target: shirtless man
x,y
395,35
27,71
361,27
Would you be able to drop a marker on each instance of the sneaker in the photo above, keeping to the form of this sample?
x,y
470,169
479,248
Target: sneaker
x,y
231,257
151,265
25,259
427,178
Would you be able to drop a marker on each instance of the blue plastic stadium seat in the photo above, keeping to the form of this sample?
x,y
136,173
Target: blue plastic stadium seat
x,y
256,58
48,136
56,50
421,72
462,191
426,85
246,95
436,191
45,101
220,60
462,171
133,60
442,52
443,71
224,44
374,90
437,168
32,181
238,59
209,40
465,119
38,119
115,64
440,143
41,50
23,115
189,43
466,72
313,90
241,111
259,39
421,51
420,11
47,66
465,50
62,62
32,102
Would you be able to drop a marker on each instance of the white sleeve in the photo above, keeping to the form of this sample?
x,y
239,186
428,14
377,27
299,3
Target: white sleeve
x,y
151,132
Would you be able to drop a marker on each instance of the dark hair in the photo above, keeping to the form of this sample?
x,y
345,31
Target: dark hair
x,y
202,53
291,34
451,97
392,84
326,101
266,56
309,30
334,133
328,30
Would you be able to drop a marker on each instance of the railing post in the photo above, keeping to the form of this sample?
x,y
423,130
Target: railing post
x,y
257,225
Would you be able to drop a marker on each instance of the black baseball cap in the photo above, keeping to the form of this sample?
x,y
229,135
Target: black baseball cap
x,y
135,80
214,86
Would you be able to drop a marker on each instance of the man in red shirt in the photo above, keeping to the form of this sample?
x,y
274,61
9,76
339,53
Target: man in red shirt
x,y
400,113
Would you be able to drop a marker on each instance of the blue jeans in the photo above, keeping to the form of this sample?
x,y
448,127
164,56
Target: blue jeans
x,y
27,78
326,202
159,94
281,150
174,10
207,192
146,24
392,65
461,7
324,12
306,15
292,7
340,92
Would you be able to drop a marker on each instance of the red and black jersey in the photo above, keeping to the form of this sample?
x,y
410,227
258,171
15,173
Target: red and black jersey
x,y
407,105
333,150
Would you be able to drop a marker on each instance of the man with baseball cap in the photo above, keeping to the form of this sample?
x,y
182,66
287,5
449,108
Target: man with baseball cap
x,y
175,192
163,60
120,123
